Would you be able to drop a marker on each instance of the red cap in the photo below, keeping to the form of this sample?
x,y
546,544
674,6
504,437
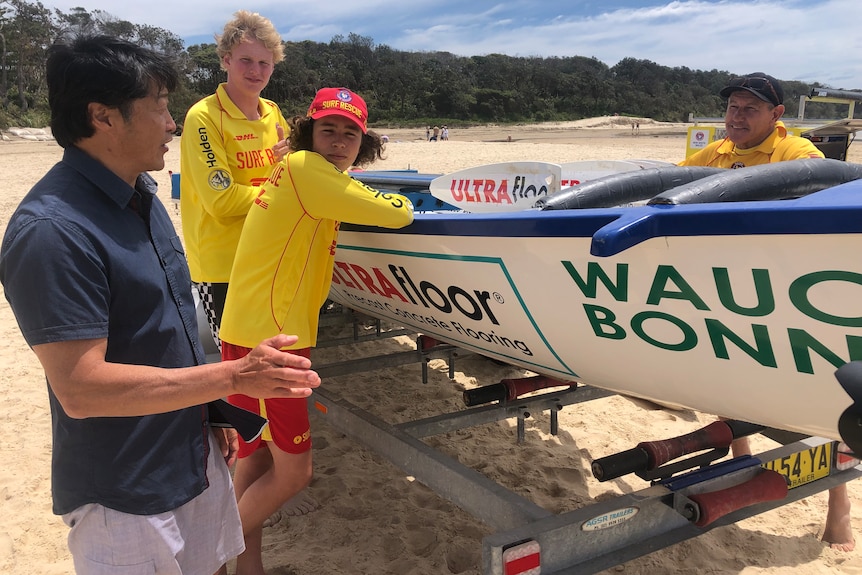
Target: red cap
x,y
341,102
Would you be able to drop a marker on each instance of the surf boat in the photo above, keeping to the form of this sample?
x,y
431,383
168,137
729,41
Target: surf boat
x,y
731,292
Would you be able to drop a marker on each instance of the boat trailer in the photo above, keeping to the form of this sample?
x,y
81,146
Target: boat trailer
x,y
685,498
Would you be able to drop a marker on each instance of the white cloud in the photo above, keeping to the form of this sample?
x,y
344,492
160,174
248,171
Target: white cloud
x,y
812,41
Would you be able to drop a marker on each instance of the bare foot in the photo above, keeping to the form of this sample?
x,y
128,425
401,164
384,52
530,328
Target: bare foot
x,y
838,532
300,504
843,546
840,542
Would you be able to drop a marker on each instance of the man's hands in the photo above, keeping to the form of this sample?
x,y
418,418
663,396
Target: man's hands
x,y
269,372
88,386
228,442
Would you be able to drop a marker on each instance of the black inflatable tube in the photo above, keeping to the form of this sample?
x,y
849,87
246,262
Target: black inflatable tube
x,y
624,188
779,181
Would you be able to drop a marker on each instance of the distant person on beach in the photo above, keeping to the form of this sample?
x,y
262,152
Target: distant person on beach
x,y
96,276
435,133
231,141
444,133
281,278
756,135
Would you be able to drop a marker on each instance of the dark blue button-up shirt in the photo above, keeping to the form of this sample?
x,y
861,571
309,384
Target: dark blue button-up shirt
x,y
79,262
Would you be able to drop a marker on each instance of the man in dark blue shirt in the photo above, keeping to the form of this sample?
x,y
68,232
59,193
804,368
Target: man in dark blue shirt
x,y
97,279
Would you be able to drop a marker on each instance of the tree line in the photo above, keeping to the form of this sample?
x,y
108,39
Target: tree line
x,y
402,88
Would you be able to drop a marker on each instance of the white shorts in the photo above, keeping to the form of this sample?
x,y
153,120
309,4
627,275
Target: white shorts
x,y
194,539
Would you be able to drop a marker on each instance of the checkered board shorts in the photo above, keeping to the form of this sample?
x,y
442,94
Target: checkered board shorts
x,y
213,296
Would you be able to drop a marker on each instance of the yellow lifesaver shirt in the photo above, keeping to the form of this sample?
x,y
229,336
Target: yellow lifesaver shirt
x,y
283,267
778,147
224,158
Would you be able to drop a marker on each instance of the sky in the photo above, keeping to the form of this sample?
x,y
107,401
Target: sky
x,y
810,40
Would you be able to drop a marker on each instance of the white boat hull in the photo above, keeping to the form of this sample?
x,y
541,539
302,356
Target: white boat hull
x,y
744,310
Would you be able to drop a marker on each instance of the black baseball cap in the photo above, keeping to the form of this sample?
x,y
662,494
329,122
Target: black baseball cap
x,y
761,85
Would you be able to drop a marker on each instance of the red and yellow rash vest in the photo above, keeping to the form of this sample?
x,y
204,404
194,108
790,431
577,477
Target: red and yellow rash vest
x,y
224,158
778,147
283,267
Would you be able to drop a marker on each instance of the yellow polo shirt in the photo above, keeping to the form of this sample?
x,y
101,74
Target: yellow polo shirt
x,y
778,147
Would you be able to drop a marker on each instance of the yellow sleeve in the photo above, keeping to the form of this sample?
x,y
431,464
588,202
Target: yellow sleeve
x,y
795,148
327,193
702,157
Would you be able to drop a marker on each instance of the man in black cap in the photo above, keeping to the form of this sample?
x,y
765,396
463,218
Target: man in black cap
x,y
756,135
755,132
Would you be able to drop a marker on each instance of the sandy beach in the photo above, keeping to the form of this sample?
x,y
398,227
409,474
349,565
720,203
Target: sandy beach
x,y
372,518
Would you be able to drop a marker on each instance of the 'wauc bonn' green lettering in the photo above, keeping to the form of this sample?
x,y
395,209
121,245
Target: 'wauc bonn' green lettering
x,y
619,290
659,291
762,287
800,287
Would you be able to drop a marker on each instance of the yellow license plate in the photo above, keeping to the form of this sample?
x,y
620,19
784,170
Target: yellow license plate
x,y
804,466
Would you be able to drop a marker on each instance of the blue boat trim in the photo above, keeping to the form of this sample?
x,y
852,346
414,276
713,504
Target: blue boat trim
x,y
836,210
